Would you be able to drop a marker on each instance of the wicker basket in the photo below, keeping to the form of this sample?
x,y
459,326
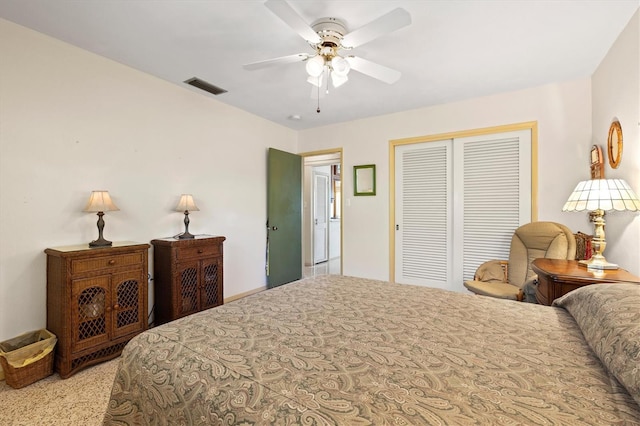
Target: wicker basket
x,y
31,372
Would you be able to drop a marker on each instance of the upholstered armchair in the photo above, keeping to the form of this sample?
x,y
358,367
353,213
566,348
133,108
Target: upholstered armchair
x,y
514,279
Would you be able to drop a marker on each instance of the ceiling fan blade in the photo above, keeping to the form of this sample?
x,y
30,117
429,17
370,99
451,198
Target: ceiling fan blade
x,y
298,57
390,22
374,70
283,11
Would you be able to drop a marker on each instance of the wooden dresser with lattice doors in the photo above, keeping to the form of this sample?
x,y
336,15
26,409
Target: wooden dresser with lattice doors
x,y
96,301
187,276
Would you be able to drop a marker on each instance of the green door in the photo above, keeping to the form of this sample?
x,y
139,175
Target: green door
x,y
284,218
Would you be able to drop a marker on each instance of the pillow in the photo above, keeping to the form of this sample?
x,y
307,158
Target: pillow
x,y
609,317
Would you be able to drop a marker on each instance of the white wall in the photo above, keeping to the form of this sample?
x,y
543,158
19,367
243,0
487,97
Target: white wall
x,y
334,238
72,122
616,93
563,113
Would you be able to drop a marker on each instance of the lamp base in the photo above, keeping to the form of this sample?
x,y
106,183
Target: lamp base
x,y
100,242
598,263
186,235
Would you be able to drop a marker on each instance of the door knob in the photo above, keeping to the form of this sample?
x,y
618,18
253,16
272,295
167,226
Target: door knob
x,y
274,228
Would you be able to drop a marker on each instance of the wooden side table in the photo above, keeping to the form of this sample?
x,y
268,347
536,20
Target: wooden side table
x,y
96,301
188,276
558,277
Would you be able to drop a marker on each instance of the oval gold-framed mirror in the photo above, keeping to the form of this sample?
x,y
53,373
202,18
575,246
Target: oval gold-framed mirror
x,y
614,144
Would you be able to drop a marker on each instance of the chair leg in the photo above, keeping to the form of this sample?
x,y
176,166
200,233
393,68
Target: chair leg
x,y
520,296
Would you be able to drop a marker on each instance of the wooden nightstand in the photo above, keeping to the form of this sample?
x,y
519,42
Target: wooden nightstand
x,y
558,277
188,276
96,301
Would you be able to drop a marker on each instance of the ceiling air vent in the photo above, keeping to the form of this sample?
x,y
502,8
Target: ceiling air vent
x,y
203,85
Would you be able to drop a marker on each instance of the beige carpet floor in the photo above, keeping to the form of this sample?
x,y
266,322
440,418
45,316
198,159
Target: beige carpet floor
x,y
79,400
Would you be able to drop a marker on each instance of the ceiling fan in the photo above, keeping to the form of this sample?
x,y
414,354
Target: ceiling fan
x,y
329,39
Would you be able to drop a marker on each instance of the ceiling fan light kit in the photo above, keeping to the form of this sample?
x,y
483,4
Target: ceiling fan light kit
x,y
338,80
328,36
315,66
340,66
316,81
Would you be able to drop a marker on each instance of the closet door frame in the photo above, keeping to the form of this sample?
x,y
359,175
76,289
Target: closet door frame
x,y
532,126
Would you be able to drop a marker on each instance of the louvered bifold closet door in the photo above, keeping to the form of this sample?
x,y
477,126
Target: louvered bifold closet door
x,y
423,213
494,197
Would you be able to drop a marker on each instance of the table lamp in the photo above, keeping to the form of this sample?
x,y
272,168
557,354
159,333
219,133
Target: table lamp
x,y
185,205
598,196
100,202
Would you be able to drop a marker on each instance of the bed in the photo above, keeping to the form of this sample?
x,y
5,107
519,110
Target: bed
x,y
337,350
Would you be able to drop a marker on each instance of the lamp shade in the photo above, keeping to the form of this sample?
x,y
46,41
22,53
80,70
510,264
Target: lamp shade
x,y
338,80
186,203
100,201
340,66
602,194
316,81
315,66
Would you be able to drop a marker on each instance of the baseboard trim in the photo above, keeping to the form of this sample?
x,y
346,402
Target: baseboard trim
x,y
245,294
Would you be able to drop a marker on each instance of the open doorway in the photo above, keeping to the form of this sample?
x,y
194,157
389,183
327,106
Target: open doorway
x,y
322,213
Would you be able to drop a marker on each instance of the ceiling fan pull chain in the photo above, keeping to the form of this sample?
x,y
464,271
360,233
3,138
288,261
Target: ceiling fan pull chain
x,y
318,110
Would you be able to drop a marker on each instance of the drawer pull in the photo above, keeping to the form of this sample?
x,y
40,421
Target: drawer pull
x,y
112,262
200,251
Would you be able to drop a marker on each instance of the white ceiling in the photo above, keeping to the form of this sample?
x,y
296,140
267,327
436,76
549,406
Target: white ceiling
x,y
453,49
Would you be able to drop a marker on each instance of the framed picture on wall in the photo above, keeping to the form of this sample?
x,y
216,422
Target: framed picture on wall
x,y
364,180
597,164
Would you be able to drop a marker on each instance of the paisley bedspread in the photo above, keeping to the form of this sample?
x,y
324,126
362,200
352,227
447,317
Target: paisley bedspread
x,y
336,350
